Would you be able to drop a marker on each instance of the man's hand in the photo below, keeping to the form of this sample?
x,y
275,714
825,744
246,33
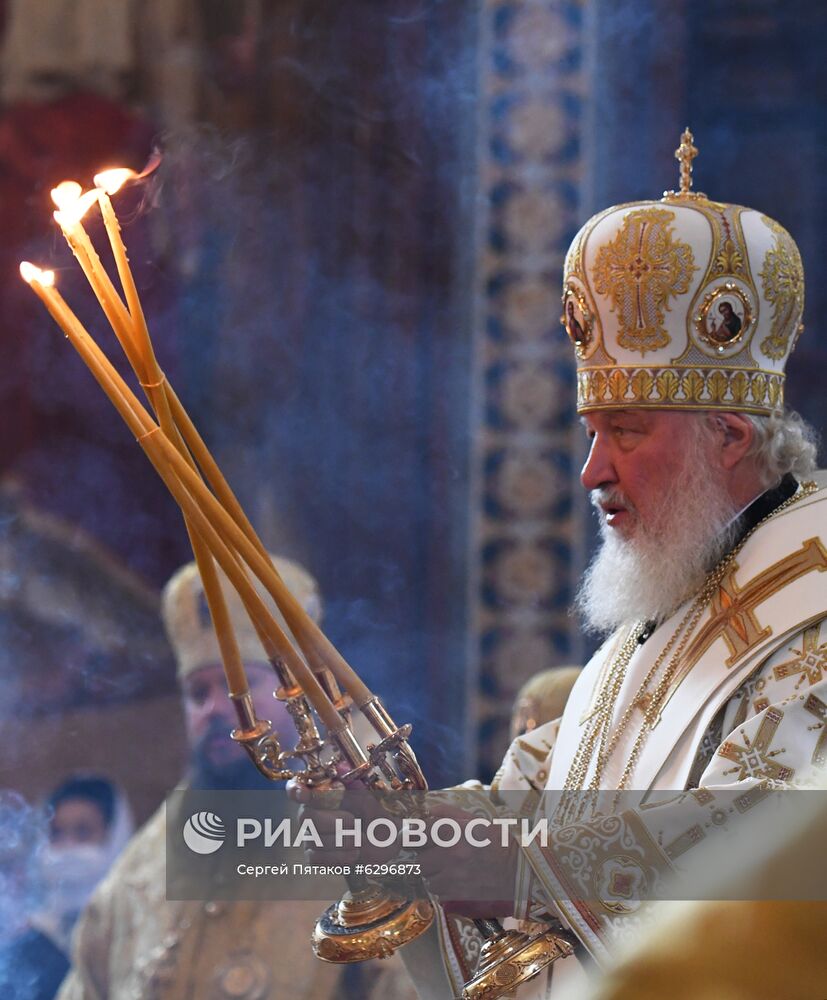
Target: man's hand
x,y
472,880
468,877
339,809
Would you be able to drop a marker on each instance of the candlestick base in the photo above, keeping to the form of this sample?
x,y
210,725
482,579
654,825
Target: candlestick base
x,y
511,958
369,923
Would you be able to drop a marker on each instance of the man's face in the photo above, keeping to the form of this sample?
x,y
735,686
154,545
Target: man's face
x,y
210,716
634,457
663,488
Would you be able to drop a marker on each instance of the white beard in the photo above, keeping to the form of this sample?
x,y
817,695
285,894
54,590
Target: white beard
x,y
649,575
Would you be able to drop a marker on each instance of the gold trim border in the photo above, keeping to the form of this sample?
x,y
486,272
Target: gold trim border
x,y
673,388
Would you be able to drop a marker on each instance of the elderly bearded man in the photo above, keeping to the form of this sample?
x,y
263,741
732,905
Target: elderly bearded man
x,y
709,584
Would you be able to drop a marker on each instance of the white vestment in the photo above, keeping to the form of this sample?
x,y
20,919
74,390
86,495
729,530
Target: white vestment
x,y
746,706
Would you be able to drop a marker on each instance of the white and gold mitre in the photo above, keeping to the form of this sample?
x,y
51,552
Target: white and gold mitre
x,y
189,625
683,303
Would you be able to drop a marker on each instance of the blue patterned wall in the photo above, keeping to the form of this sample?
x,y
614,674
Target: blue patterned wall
x,y
526,531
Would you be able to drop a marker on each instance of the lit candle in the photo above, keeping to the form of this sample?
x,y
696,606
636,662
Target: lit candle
x,y
152,380
42,284
154,383
108,183
196,501
319,651
72,205
130,327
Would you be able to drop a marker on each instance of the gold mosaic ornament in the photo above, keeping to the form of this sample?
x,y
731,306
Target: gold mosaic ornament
x,y
683,303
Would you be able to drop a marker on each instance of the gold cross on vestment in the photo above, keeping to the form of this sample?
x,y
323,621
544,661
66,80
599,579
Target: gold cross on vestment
x,y
734,607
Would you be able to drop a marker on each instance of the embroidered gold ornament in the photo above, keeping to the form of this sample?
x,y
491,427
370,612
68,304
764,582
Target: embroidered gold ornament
x,y
683,303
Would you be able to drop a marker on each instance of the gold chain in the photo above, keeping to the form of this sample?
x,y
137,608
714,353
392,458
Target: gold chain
x,y
599,726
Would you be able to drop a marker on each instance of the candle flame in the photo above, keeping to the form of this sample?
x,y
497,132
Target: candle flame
x,y
72,202
30,272
66,193
113,180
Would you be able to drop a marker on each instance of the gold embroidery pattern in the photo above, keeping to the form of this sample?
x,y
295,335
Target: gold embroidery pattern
x,y
641,270
810,662
815,706
612,861
540,755
690,387
729,259
573,265
755,759
466,941
707,749
751,697
783,278
729,254
685,842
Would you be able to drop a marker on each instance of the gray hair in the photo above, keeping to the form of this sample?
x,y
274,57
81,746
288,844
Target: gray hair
x,y
783,442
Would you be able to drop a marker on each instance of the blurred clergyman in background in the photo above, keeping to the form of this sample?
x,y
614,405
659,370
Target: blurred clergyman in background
x,y
542,699
133,943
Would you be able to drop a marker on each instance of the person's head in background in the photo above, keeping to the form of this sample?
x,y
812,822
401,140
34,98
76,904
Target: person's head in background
x,y
89,823
215,760
542,699
81,811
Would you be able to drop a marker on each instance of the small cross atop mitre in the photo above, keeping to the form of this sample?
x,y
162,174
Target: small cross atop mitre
x,y
685,154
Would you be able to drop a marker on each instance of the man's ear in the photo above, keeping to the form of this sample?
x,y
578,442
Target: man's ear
x,y
737,433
